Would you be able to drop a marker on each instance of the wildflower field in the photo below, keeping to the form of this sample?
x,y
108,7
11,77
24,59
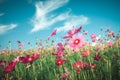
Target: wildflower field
x,y
74,58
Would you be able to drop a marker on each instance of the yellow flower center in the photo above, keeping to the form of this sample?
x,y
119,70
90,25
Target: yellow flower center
x,y
30,59
76,41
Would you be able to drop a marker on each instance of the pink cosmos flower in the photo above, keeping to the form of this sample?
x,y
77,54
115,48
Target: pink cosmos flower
x,y
53,33
86,53
110,43
76,41
65,75
111,33
4,49
21,45
93,40
93,36
78,29
2,63
93,65
72,32
48,38
85,32
60,51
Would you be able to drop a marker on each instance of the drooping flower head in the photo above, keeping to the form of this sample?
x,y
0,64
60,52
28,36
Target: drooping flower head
x,y
54,32
76,41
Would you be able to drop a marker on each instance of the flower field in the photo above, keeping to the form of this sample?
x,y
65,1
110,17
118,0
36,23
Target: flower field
x,y
76,58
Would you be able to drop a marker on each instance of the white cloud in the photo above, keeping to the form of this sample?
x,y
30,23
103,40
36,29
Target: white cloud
x,y
73,21
42,18
1,14
5,28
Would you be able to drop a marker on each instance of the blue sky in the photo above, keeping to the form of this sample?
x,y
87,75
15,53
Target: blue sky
x,y
26,20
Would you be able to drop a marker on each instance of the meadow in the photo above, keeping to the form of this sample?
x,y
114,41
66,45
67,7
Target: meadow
x,y
73,59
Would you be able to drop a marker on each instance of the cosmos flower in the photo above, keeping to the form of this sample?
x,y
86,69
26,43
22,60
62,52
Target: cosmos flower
x,y
85,32
48,38
59,61
54,32
10,66
77,65
72,32
78,30
60,50
86,53
93,40
93,36
21,45
78,72
2,63
66,74
4,50
97,57
93,65
86,65
110,43
28,58
111,33
76,41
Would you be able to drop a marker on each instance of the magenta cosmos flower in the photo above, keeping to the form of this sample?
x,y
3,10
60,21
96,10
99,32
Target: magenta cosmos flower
x,y
77,65
54,32
76,41
28,58
59,61
11,66
72,32
2,63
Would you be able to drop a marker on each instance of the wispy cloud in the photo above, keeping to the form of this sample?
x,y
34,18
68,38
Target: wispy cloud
x,y
45,16
73,21
5,28
42,19
1,14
